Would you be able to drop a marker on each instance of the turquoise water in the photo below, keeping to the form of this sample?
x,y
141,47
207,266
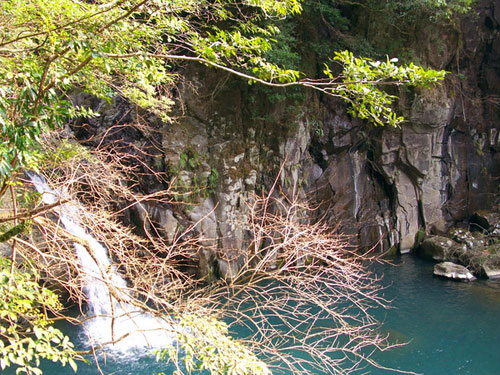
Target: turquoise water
x,y
451,328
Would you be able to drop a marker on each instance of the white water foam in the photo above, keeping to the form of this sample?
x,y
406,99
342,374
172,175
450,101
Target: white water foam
x,y
110,320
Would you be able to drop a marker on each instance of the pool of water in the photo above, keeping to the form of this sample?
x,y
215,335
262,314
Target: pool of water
x,y
450,327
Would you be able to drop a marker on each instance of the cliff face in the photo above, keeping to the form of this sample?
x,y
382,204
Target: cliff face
x,y
381,184
442,165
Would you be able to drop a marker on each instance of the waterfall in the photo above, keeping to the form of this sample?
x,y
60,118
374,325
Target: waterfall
x,y
109,318
356,173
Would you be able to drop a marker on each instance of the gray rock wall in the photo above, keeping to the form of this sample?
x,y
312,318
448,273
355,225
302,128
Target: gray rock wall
x,y
442,165
381,184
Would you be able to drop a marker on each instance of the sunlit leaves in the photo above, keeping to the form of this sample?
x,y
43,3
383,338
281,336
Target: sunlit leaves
x,y
108,48
397,11
26,332
206,346
439,10
363,79
278,8
48,47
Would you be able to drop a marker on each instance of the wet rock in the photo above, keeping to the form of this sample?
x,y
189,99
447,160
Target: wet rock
x,y
453,271
436,248
485,221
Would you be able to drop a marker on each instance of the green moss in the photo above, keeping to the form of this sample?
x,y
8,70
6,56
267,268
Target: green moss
x,y
210,277
392,251
15,230
243,170
419,238
192,161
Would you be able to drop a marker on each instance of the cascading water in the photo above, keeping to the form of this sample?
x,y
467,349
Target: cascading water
x,y
112,318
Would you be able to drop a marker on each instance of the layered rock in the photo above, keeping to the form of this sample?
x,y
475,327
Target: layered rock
x,y
439,167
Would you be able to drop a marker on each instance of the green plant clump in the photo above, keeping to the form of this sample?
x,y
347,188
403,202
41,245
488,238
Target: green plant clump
x,y
206,345
362,79
27,334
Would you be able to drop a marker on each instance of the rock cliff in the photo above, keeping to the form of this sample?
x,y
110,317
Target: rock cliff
x,y
382,185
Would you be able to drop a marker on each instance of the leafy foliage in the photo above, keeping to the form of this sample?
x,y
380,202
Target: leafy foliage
x,y
436,10
48,47
51,47
26,332
206,345
368,28
361,81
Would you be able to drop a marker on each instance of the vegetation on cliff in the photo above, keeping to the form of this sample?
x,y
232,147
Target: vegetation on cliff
x,y
53,50
49,49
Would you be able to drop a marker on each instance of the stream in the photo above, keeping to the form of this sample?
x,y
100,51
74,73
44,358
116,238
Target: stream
x,y
450,327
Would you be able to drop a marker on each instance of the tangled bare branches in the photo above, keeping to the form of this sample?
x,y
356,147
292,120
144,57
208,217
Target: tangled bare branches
x,y
299,292
303,295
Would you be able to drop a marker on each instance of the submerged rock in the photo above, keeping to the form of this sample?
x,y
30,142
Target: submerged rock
x,y
453,271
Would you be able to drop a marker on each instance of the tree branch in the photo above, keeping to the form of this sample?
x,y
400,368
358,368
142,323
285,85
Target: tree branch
x,y
26,214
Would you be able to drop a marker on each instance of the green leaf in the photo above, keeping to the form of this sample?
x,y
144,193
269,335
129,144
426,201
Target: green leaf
x,y
73,364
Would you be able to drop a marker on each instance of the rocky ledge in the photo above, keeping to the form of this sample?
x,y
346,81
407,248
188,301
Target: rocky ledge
x,y
478,250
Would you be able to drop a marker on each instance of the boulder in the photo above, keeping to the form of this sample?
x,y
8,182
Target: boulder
x,y
436,248
463,236
491,266
485,221
491,271
453,271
